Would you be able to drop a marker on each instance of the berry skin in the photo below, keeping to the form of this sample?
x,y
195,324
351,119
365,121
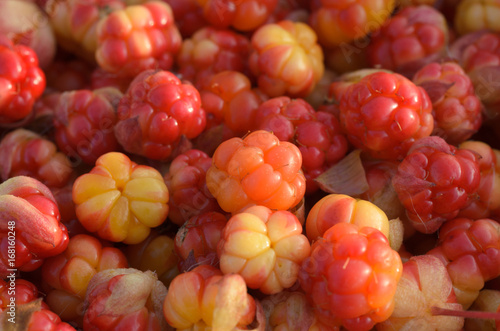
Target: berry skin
x,y
478,53
26,153
256,170
22,81
138,38
336,208
286,59
317,134
340,22
74,23
242,15
197,239
28,310
435,181
187,186
456,108
68,75
229,99
210,51
351,276
156,252
384,113
204,299
84,121
266,248
470,251
67,275
478,50
120,200
28,209
474,15
25,292
487,200
188,16
35,316
322,144
100,78
124,299
155,112
413,37
282,115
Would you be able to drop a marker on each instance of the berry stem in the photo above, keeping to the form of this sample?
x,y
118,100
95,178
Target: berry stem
x,y
465,313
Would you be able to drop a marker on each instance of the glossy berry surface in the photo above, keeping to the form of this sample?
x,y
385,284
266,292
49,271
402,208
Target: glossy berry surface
x,y
74,23
188,16
43,319
434,181
204,299
336,208
156,252
187,186
25,292
30,214
210,51
384,113
84,123
266,248
487,200
338,22
120,200
26,153
242,15
456,108
256,170
469,250
317,133
286,59
351,276
22,81
322,144
68,274
411,38
155,112
478,53
230,99
196,241
137,38
282,115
